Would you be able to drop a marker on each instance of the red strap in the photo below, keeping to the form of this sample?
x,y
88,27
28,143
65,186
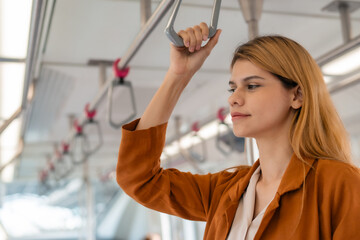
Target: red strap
x,y
195,127
220,114
120,73
65,147
89,114
77,127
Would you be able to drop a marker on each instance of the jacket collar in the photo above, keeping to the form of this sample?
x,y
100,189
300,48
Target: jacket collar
x,y
295,174
292,179
239,188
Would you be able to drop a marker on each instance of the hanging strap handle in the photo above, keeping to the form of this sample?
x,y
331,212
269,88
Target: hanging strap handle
x,y
219,141
90,121
175,38
119,81
81,138
200,157
63,161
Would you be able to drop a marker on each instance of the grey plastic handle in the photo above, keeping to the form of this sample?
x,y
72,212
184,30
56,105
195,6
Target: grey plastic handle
x,y
78,142
64,166
90,150
109,103
219,145
199,156
175,38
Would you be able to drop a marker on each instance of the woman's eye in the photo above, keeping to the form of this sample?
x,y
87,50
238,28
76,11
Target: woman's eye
x,y
231,90
252,86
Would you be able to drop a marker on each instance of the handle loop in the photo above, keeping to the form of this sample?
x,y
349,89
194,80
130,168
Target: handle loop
x,y
175,38
119,81
224,142
78,144
198,156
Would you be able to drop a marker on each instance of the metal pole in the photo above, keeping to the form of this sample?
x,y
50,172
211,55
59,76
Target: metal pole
x,y
89,204
154,20
15,157
145,11
36,21
8,121
102,74
345,83
12,60
156,17
355,42
251,10
345,21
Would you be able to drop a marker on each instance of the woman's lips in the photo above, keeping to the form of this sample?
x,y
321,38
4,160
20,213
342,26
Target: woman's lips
x,y
238,115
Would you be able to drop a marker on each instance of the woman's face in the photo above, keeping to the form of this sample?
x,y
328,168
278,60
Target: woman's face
x,y
259,104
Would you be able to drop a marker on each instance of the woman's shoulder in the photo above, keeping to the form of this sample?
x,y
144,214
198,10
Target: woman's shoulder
x,y
234,173
337,171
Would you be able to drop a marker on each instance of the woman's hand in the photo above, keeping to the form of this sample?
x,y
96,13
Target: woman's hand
x,y
187,60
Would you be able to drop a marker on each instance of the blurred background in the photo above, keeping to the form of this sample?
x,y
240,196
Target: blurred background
x,y
61,105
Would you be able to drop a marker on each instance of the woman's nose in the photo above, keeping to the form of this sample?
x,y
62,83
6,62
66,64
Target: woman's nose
x,y
236,98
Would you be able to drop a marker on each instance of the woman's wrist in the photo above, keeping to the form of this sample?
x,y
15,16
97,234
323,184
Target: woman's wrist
x,y
178,80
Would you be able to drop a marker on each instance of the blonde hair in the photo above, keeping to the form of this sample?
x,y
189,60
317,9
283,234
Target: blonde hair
x,y
316,130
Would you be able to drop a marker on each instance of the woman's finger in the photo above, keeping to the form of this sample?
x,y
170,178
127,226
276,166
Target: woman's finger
x,y
191,34
198,36
185,37
204,30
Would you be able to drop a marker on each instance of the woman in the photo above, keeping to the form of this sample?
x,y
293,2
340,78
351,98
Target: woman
x,y
302,187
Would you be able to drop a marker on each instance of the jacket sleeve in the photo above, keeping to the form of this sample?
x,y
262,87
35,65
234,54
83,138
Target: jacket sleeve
x,y
139,174
346,205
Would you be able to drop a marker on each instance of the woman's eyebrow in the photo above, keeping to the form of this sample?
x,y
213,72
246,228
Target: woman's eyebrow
x,y
247,79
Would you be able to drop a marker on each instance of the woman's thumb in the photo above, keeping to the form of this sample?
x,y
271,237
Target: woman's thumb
x,y
213,41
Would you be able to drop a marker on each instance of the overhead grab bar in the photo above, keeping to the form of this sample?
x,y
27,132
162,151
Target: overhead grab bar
x,y
175,38
120,74
220,137
200,157
88,149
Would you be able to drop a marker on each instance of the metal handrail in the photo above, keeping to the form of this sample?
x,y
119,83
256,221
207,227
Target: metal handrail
x,y
175,38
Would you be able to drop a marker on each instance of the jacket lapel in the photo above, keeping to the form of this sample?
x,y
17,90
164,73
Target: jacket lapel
x,y
235,194
292,179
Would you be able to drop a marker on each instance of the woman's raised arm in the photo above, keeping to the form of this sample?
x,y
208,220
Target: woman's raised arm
x,y
184,63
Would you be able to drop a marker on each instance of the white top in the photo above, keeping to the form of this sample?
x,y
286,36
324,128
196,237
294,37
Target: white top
x,y
244,227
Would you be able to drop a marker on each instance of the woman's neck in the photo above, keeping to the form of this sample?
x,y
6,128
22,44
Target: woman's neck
x,y
274,157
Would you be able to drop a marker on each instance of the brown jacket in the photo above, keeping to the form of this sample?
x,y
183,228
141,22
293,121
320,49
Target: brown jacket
x,y
327,206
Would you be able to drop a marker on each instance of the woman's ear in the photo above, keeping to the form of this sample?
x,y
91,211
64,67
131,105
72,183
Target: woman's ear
x,y
297,98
